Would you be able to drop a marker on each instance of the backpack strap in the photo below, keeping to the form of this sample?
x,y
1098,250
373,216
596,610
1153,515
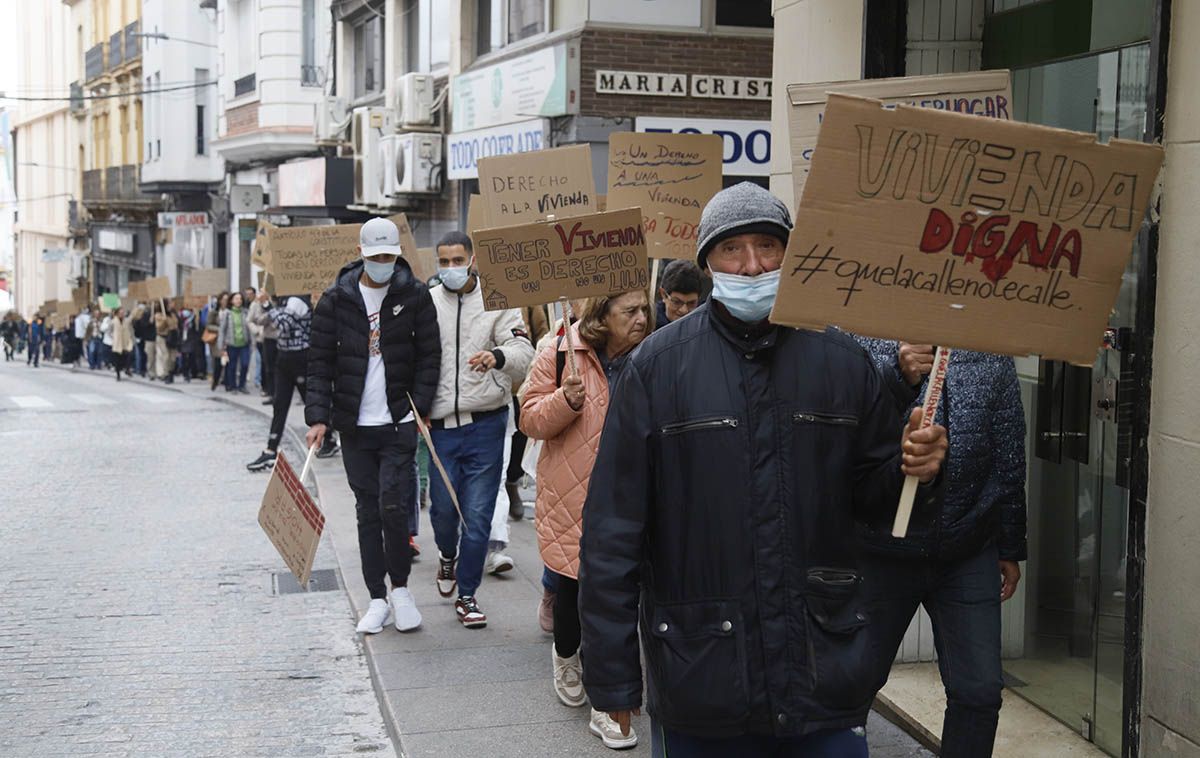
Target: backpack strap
x,y
560,362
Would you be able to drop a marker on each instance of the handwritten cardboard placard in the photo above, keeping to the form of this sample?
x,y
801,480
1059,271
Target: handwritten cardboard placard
x,y
79,297
158,288
261,256
518,189
65,307
979,93
671,177
422,262
291,519
477,217
581,256
48,307
208,281
939,228
137,290
306,259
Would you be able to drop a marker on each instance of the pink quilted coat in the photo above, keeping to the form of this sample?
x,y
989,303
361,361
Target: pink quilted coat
x,y
571,440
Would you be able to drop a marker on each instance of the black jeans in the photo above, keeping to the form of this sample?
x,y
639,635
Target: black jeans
x,y
379,467
291,367
963,601
566,616
270,351
515,471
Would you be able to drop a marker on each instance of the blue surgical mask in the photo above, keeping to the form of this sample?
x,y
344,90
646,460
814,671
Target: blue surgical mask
x,y
378,272
455,278
747,298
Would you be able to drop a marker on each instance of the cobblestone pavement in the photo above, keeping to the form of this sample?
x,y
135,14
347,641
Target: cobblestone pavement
x,y
445,690
137,612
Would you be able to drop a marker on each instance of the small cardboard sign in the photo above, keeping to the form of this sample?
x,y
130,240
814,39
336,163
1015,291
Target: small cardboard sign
x,y
60,320
581,256
978,93
109,302
79,298
49,307
477,216
944,229
671,177
137,290
158,288
208,281
65,307
291,519
423,264
518,189
128,303
261,256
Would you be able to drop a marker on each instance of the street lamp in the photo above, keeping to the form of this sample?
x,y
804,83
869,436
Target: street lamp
x,y
166,38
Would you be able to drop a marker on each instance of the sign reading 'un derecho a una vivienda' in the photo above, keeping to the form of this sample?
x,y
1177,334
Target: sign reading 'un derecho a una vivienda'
x,y
581,256
937,227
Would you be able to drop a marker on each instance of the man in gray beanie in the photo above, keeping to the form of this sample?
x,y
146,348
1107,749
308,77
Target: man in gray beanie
x,y
734,460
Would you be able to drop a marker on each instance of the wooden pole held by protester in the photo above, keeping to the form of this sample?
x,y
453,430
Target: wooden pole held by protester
x,y
933,394
437,462
568,317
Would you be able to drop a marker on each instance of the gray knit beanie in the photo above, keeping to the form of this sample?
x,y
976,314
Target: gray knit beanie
x,y
741,209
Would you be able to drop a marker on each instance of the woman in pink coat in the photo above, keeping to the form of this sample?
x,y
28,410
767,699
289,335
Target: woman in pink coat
x,y
567,411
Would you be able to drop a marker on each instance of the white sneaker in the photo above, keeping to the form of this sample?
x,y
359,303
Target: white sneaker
x,y
379,612
610,732
568,679
404,608
498,563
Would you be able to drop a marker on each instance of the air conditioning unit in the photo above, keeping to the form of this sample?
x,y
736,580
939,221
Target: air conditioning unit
x,y
387,177
368,127
332,116
414,100
416,163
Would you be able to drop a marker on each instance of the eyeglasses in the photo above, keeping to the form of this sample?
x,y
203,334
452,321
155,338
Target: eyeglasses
x,y
682,304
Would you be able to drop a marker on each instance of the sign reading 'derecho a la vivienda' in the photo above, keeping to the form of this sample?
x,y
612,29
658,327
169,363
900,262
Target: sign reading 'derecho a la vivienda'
x,y
940,228
517,189
581,256
671,177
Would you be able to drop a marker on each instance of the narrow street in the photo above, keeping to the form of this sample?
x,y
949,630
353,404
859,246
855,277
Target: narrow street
x,y
139,614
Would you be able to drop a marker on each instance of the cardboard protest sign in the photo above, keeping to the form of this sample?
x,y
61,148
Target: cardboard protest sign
x,y
534,264
137,290
602,203
291,519
421,260
978,93
128,303
158,288
261,255
208,281
49,307
945,229
65,307
306,259
79,297
671,177
477,217
527,187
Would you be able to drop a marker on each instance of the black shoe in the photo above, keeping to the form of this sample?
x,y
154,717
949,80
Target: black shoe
x,y
329,448
268,401
516,508
262,462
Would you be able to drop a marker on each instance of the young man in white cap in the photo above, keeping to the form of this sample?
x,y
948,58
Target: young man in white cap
x,y
484,353
374,344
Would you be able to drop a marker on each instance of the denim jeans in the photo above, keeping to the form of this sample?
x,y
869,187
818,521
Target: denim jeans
x,y
827,743
93,353
239,364
963,601
139,359
473,456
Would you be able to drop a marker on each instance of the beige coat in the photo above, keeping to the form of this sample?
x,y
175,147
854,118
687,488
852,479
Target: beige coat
x,y
122,335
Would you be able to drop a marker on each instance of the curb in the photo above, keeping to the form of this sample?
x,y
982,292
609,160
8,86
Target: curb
x,y
385,704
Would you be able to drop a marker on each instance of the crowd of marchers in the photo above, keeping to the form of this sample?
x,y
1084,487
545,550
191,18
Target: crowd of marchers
x,y
714,493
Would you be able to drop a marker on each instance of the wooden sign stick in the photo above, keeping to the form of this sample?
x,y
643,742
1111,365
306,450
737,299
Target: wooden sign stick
x,y
568,317
437,462
653,279
933,394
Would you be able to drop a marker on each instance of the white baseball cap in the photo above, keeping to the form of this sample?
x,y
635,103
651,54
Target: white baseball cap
x,y
379,237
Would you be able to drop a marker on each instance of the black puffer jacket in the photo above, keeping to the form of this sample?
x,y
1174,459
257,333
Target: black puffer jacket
x,y
337,356
984,494
723,499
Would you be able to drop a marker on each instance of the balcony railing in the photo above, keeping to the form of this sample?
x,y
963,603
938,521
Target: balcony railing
x,y
93,62
116,50
114,185
133,43
244,86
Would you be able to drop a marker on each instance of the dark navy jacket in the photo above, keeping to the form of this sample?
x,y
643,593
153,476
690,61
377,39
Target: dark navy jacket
x,y
720,515
984,482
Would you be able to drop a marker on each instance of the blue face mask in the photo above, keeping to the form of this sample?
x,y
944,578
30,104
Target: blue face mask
x,y
455,278
380,273
747,298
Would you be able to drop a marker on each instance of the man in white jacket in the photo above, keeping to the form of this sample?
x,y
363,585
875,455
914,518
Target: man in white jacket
x,y
484,354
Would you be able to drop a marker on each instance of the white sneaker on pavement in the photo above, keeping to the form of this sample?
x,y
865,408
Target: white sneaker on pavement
x,y
404,608
379,612
498,563
568,679
610,732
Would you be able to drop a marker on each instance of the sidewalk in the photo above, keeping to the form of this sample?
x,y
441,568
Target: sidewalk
x,y
449,691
